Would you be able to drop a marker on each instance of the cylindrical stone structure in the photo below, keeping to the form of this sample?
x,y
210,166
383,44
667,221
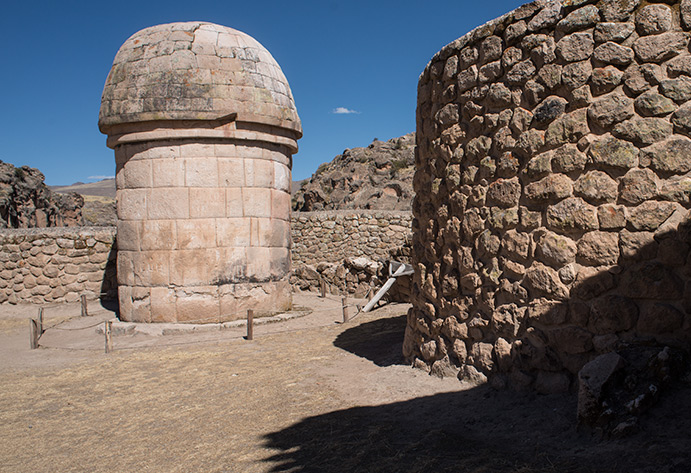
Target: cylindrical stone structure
x,y
204,125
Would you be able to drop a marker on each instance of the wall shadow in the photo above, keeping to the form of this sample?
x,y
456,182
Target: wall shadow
x,y
379,341
109,286
479,430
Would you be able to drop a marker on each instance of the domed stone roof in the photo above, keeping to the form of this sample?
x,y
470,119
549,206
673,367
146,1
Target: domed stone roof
x,y
196,71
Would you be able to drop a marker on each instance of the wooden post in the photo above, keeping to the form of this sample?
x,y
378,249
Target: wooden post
x,y
250,324
322,283
33,333
108,332
344,304
40,321
85,312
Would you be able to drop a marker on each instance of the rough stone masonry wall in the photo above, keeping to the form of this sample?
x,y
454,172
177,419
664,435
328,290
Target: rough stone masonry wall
x,y
56,264
59,264
552,191
348,248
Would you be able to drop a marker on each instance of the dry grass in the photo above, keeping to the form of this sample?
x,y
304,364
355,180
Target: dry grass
x,y
194,409
328,398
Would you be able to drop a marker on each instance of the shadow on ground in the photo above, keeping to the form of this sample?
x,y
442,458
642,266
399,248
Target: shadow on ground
x,y
379,341
481,430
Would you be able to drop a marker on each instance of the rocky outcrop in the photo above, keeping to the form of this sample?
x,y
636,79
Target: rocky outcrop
x,y
378,177
26,202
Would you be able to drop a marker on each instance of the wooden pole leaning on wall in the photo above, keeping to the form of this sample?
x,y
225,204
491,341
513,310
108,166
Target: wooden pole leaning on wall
x,y
250,324
344,306
108,332
85,311
322,285
33,333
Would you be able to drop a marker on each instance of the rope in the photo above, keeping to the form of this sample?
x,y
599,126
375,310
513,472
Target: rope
x,y
79,328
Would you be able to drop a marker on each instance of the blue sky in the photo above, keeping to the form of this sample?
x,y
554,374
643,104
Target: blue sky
x,y
357,56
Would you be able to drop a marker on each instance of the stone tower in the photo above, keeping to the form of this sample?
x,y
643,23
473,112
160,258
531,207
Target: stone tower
x,y
204,125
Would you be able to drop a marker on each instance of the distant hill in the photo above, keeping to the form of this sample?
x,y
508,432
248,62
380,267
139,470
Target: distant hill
x,y
378,177
103,188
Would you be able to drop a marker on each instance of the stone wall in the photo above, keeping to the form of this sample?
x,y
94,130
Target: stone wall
x,y
56,264
552,192
346,248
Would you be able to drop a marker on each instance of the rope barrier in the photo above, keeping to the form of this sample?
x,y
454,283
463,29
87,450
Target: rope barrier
x,y
78,328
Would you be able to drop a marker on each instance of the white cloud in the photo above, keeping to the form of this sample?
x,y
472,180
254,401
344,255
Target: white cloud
x,y
343,111
101,177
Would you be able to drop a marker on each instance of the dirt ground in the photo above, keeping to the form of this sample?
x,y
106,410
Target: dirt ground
x,y
308,394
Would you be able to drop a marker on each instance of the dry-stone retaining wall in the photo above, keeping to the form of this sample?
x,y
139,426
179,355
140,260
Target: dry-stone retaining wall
x,y
552,191
348,249
56,264
345,248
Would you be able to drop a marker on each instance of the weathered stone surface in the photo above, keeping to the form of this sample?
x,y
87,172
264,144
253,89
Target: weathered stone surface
x,y
550,76
593,379
572,214
685,10
638,185
669,156
613,53
596,187
490,49
653,19
598,248
540,165
592,282
650,215
568,128
617,10
448,115
530,142
516,245
610,110
547,17
490,72
610,31
521,72
679,66
658,318
580,19
678,89
652,104
605,79
651,280
504,192
550,108
571,339
645,131
555,250
467,79
660,47
576,47
568,158
544,281
611,217
576,74
515,31
637,245
550,188
613,152
499,95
